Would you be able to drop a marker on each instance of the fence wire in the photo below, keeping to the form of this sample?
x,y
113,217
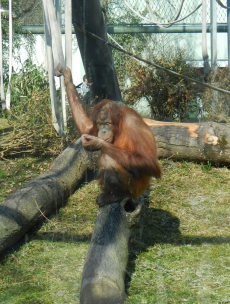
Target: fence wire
x,y
142,11
162,11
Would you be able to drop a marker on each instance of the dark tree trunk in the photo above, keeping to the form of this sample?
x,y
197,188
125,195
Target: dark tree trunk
x,y
103,278
43,195
200,142
96,55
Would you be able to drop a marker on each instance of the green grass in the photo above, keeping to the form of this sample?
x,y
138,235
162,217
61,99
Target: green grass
x,y
4,124
179,255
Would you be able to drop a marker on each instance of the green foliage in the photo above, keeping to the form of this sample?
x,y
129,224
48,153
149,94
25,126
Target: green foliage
x,y
25,83
31,117
216,105
168,96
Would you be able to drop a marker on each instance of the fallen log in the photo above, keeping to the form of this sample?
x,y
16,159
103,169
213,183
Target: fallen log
x,y
103,277
208,141
200,142
43,195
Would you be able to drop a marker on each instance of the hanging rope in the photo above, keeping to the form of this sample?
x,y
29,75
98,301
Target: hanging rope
x,y
68,55
179,11
61,79
221,4
55,59
54,37
155,21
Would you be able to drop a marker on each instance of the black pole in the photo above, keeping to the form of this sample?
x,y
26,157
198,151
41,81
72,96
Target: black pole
x,y
228,31
96,54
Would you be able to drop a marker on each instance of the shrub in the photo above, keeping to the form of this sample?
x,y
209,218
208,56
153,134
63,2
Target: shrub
x,y
31,117
168,97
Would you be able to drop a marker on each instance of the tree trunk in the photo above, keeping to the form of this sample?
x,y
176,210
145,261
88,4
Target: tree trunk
x,y
44,194
96,54
200,142
103,278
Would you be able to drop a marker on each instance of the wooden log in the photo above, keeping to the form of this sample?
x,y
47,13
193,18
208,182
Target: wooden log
x,y
105,266
200,142
24,208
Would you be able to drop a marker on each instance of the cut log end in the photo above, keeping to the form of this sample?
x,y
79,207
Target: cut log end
x,y
101,290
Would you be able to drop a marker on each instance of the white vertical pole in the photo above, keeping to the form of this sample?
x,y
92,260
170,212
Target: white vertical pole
x,y
68,52
10,55
213,34
50,64
68,33
62,87
228,30
2,94
204,32
204,39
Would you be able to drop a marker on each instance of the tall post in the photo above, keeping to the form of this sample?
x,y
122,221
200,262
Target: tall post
x,y
96,54
2,94
8,95
228,30
204,40
68,33
213,34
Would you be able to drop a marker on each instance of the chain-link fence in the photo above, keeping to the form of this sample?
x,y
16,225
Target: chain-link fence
x,y
162,11
147,11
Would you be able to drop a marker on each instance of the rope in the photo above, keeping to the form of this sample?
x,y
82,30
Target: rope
x,y
54,36
222,5
155,21
55,59
151,63
179,11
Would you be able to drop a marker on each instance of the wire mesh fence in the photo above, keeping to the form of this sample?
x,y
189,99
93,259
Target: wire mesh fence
x,y
147,11
162,11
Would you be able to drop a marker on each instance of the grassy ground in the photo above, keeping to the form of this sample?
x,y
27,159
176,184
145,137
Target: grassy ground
x,y
180,255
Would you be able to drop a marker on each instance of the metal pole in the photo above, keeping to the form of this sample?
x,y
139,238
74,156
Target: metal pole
x,y
213,34
228,31
204,39
129,29
68,33
2,94
8,93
